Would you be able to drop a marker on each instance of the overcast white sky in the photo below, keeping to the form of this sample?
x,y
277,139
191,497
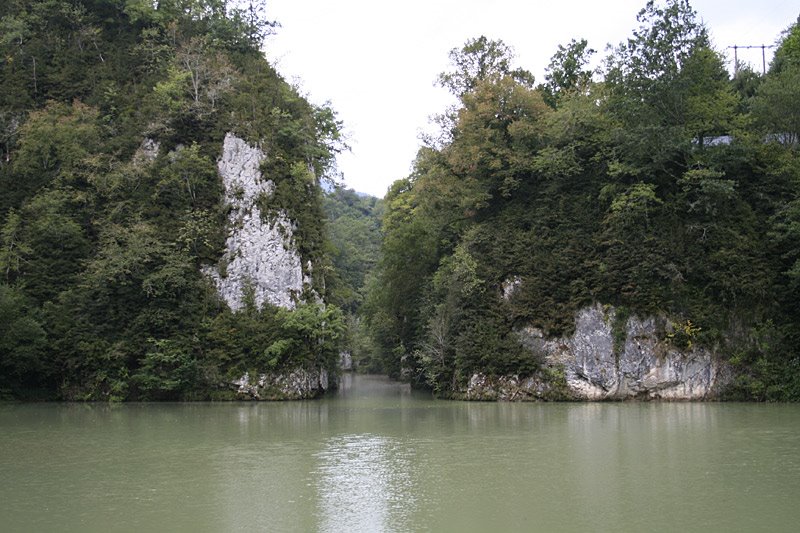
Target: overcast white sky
x,y
376,61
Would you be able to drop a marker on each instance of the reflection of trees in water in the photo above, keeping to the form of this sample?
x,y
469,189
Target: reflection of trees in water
x,y
370,386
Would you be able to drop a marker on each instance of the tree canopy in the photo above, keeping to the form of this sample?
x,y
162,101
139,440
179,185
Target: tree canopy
x,y
658,185
113,115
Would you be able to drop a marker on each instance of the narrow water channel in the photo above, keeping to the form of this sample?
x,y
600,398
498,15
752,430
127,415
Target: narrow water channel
x,y
380,457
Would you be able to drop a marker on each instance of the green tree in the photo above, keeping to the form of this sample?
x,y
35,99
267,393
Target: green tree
x,y
56,144
651,88
478,60
188,180
567,71
787,54
23,345
56,241
14,250
776,106
167,371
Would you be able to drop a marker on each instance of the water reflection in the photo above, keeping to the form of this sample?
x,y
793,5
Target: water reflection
x,y
353,386
364,484
380,457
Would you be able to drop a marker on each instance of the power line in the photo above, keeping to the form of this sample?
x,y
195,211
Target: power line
x,y
763,47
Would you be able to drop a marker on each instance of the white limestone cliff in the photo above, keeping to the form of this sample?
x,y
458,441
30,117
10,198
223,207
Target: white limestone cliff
x,y
588,366
260,255
298,384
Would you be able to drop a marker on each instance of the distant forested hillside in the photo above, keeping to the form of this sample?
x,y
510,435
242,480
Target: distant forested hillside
x,y
354,222
658,185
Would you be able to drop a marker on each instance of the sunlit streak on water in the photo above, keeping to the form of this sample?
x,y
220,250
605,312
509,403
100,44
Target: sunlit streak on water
x,y
364,484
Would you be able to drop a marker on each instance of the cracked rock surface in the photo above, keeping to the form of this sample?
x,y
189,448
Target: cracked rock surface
x,y
645,366
260,255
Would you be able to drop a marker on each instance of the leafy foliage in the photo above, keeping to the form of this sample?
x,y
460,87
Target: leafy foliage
x,y
112,116
658,189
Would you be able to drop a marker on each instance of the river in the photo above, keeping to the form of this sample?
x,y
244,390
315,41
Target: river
x,y
379,457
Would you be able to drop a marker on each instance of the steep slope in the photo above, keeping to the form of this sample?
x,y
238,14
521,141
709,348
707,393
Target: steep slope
x,y
162,226
259,256
660,193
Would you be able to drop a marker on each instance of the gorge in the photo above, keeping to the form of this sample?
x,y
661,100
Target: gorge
x,y
173,226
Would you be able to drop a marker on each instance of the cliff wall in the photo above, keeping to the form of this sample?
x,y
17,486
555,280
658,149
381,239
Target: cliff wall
x,y
597,363
260,255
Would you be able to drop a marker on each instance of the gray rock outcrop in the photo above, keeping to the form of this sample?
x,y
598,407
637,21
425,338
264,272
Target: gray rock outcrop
x,y
513,388
260,259
346,360
147,152
588,366
260,255
299,384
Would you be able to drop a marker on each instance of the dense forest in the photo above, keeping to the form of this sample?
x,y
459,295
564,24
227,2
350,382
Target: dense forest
x,y
354,241
656,184
112,116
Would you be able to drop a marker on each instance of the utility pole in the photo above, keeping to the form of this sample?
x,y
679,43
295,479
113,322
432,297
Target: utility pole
x,y
763,47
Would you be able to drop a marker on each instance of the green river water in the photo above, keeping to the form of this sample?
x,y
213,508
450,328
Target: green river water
x,y
378,457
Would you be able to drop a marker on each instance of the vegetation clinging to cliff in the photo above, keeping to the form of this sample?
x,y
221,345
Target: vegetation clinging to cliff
x,y
659,185
112,117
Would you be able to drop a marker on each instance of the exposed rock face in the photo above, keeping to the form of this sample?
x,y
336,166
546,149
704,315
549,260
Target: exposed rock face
x,y
590,368
260,256
345,360
299,384
512,388
147,152
510,287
